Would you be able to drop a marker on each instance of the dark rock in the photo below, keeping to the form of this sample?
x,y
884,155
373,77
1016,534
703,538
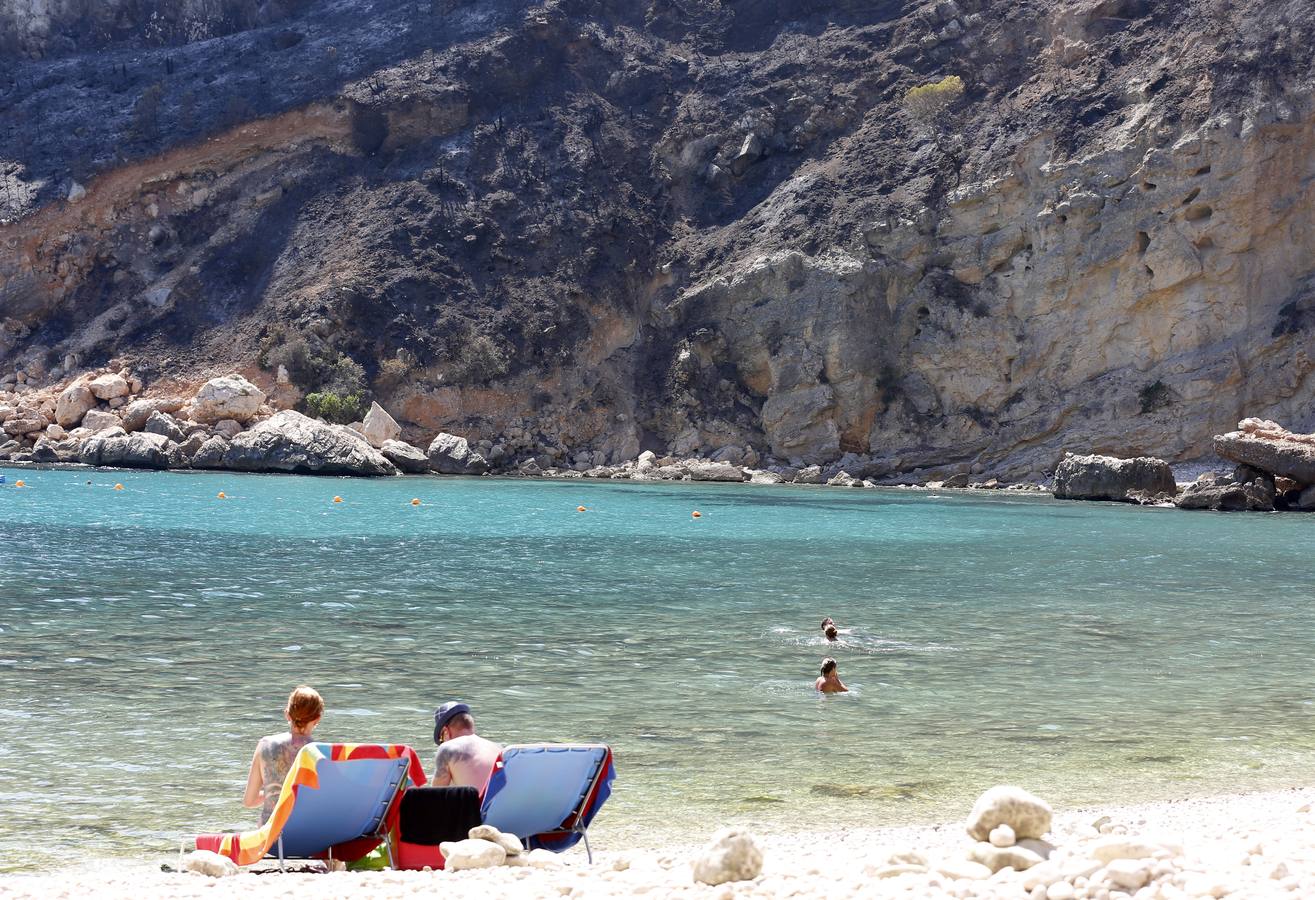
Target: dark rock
x,y
210,454
1224,494
1110,478
115,447
957,481
451,455
290,442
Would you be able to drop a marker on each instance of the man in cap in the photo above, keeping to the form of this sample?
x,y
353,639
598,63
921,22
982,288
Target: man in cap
x,y
464,758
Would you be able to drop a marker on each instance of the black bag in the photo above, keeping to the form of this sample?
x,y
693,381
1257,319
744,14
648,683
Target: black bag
x,y
431,815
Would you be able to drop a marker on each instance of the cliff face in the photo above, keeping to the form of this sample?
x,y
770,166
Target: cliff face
x,y
603,226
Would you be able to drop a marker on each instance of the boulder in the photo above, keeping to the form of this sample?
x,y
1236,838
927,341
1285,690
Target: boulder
x,y
508,842
1227,494
379,427
211,453
56,432
1002,836
108,387
732,455
207,862
73,403
471,854
290,442
701,470
451,455
229,397
25,422
646,461
765,478
115,447
229,428
137,413
731,855
1111,478
530,469
809,475
844,479
540,858
1271,448
1306,499
165,424
961,480
1027,814
100,420
411,460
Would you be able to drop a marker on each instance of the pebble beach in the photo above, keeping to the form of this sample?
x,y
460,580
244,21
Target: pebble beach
x,y
1255,845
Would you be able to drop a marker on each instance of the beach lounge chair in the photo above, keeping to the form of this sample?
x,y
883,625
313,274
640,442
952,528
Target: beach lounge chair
x,y
339,800
547,794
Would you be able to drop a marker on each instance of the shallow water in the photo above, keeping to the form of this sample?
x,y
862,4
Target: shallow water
x,y
1092,652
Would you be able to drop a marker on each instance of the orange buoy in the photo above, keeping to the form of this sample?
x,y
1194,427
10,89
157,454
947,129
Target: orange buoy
x,y
580,509
337,499
415,501
696,515
118,487
20,483
223,496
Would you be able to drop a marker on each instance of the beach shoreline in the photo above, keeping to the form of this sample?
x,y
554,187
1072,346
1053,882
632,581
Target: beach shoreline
x,y
1259,844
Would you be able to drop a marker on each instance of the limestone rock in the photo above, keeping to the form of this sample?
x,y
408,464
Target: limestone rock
x,y
957,481
844,479
809,475
1028,815
115,447
99,420
73,403
291,442
26,422
211,453
1226,495
471,854
165,424
207,862
997,858
765,478
228,397
1002,836
451,455
731,855
701,470
962,869
540,858
1271,448
508,842
229,428
1306,500
411,460
1111,478
136,414
379,427
1108,849
1127,874
108,387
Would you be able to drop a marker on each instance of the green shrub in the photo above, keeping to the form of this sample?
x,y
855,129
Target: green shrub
x,y
335,408
927,103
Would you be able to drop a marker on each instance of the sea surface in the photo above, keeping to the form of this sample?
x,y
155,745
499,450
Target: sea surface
x,y
1090,652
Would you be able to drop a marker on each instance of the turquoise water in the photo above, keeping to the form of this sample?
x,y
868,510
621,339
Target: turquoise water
x,y
1091,652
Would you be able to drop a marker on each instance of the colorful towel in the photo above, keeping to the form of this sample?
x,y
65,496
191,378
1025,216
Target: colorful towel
x,y
249,847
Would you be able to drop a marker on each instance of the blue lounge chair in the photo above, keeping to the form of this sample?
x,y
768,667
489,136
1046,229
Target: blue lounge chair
x,y
547,794
338,800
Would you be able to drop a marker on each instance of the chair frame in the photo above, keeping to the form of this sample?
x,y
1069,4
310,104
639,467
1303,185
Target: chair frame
x,y
380,831
578,827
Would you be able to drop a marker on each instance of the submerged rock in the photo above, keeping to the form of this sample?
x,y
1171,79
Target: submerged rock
x,y
290,442
731,855
1111,478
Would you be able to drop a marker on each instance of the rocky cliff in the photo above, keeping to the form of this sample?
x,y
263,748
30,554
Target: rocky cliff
x,y
586,228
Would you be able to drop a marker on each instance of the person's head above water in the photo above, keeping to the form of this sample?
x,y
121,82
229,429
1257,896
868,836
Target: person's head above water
x,y
828,666
828,622
831,632
452,719
305,708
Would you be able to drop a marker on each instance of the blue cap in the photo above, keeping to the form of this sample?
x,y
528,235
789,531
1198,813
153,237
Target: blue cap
x,y
446,713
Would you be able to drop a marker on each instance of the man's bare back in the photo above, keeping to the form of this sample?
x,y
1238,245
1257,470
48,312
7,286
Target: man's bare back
x,y
465,761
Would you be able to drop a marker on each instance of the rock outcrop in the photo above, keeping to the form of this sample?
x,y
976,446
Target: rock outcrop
x,y
115,447
1110,478
1271,448
379,427
411,460
291,442
1229,493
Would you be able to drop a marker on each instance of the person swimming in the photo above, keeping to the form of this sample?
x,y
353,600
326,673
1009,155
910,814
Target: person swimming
x,y
832,633
829,681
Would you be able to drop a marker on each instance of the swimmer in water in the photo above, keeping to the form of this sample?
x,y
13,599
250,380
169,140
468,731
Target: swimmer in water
x,y
832,633
829,682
